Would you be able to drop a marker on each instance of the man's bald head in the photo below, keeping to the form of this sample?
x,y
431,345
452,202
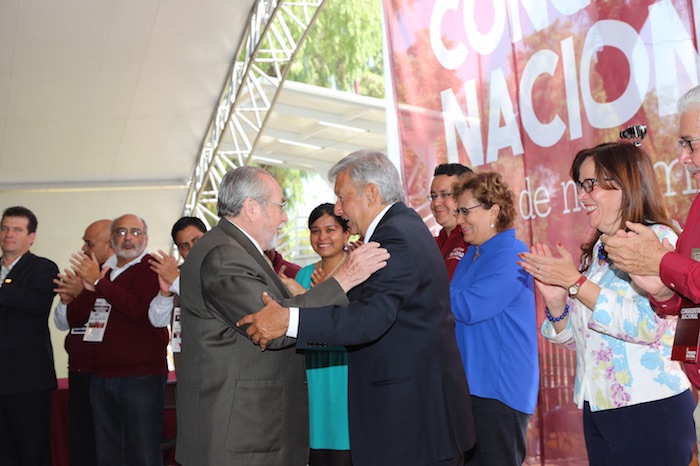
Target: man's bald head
x,y
97,240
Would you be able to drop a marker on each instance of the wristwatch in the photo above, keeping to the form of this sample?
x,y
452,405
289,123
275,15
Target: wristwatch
x,y
573,289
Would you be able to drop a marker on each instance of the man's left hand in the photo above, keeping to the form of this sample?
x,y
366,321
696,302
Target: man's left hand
x,y
268,323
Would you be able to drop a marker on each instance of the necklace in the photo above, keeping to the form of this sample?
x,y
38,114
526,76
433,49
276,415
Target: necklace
x,y
477,253
345,256
602,253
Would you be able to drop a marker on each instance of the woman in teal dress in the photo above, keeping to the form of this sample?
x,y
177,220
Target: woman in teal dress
x,y
327,369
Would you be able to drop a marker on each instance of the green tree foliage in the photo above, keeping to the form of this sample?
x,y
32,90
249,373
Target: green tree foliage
x,y
344,49
294,238
292,182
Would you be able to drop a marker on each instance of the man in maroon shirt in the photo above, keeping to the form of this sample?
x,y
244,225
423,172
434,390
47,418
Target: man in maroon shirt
x,y
443,205
128,353
639,251
81,431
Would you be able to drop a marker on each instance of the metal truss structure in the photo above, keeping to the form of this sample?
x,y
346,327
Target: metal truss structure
x,y
276,31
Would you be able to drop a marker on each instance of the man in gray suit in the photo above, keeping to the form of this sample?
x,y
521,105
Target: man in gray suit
x,y
236,404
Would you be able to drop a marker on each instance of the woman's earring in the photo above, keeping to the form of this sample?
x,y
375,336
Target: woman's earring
x,y
492,225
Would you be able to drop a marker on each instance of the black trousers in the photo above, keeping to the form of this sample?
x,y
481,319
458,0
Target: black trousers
x,y
501,433
329,458
81,429
25,429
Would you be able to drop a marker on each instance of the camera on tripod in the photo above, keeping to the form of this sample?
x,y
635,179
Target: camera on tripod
x,y
636,133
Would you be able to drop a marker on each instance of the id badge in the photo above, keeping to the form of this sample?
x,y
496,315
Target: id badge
x,y
97,323
176,335
687,340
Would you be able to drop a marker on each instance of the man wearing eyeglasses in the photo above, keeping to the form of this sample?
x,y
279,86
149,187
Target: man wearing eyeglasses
x,y
408,396
639,251
128,353
442,205
237,404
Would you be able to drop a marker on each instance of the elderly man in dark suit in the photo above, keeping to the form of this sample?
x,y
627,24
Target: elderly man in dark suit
x,y
237,405
27,374
408,394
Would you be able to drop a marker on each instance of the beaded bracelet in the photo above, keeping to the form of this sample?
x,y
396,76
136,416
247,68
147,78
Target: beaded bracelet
x,y
556,319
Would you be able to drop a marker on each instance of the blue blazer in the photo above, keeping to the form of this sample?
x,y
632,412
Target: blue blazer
x,y
26,355
409,400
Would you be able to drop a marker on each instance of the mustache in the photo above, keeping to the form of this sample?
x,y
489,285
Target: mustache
x,y
125,243
692,168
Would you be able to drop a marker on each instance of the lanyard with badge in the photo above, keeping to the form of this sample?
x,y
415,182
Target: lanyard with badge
x,y
97,323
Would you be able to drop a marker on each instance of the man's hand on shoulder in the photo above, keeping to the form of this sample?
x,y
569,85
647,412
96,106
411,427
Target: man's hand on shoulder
x,y
268,323
362,262
637,251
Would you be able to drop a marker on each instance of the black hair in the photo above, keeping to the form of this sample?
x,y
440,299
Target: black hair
x,y
326,209
185,222
19,211
451,169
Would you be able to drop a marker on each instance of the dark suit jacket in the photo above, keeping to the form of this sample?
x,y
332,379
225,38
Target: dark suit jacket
x,y
408,394
237,405
26,355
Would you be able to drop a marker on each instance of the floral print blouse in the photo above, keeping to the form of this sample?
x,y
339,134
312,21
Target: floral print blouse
x,y
623,348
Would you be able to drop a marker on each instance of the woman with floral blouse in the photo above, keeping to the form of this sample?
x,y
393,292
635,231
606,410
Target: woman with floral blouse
x,y
636,400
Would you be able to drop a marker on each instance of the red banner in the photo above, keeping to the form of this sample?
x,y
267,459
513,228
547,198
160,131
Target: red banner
x,y
520,86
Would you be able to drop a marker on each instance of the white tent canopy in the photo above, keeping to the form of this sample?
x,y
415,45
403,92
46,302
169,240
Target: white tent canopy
x,y
104,106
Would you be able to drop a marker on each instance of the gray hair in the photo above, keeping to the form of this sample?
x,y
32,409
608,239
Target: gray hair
x,y
689,100
371,167
238,185
114,220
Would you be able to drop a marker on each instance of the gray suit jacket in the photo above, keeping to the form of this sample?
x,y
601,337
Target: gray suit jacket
x,y
237,405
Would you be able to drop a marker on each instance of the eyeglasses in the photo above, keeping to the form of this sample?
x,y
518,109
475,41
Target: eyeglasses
x,y
442,196
135,232
464,211
282,204
587,185
687,144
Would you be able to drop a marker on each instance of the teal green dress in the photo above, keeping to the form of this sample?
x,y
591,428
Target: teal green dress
x,y
327,377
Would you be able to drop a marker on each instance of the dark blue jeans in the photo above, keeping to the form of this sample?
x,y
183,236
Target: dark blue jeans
x,y
660,432
128,414
501,433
